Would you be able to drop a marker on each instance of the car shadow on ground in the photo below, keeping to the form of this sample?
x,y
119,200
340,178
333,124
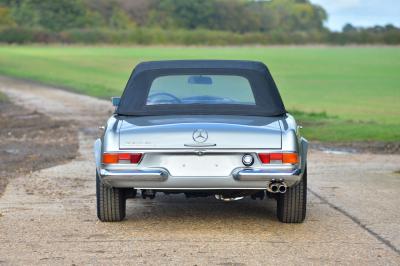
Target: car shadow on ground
x,y
177,209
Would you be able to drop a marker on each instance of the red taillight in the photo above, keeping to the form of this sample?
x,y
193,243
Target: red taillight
x,y
276,156
264,158
136,157
112,158
267,158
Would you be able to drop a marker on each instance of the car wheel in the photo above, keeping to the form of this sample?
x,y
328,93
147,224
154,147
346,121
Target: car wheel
x,y
292,205
111,202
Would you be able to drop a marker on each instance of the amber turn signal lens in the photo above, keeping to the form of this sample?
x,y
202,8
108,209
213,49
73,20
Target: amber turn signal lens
x,y
267,158
110,158
133,158
291,158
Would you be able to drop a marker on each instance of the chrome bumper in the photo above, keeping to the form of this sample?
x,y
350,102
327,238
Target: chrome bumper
x,y
266,175
134,175
241,178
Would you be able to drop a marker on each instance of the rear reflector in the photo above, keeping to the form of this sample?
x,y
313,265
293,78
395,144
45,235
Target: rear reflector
x,y
111,158
289,158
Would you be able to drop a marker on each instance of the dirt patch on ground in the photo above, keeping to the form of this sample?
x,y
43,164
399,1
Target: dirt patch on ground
x,y
30,141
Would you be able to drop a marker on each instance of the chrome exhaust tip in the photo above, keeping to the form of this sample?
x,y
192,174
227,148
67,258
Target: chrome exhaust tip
x,y
273,188
282,188
277,187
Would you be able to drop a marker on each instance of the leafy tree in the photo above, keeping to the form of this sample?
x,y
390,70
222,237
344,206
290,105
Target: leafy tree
x,y
120,20
112,14
138,10
25,15
183,13
6,20
49,14
349,28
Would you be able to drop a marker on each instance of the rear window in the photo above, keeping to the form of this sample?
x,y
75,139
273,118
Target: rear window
x,y
200,89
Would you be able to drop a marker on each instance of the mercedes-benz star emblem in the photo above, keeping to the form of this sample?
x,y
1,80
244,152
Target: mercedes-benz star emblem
x,y
200,135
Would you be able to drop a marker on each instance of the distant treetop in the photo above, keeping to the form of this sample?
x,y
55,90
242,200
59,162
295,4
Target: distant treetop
x,y
227,15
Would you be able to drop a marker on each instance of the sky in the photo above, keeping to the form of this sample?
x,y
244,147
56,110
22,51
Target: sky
x,y
360,12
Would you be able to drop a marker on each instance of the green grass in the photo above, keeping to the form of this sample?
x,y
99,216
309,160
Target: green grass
x,y
342,93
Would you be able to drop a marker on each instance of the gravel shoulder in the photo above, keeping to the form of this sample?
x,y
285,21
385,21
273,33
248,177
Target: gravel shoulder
x,y
353,215
30,141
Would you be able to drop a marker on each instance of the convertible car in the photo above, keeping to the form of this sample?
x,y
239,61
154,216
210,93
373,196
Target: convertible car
x,y
202,128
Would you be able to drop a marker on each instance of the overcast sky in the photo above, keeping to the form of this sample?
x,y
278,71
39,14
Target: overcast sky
x,y
361,12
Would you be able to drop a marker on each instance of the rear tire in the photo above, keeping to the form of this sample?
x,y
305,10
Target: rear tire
x,y
111,202
292,206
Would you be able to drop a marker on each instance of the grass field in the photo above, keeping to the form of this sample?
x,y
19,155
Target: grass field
x,y
339,94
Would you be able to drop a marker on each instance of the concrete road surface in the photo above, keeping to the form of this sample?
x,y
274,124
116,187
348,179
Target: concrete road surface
x,y
49,217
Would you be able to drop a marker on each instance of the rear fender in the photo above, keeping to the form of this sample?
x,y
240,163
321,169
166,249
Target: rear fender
x,y
97,154
304,150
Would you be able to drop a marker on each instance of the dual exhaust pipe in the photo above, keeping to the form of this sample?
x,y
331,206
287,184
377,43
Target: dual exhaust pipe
x,y
277,187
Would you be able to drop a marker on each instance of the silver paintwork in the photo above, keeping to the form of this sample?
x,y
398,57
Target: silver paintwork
x,y
224,132
174,160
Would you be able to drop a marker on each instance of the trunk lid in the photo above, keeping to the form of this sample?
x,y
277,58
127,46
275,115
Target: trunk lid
x,y
217,132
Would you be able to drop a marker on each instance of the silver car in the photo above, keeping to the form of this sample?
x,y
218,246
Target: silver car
x,y
202,128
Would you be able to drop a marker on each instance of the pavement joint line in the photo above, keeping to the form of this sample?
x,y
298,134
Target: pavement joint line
x,y
202,241
356,221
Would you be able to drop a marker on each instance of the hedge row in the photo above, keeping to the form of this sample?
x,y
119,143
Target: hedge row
x,y
146,36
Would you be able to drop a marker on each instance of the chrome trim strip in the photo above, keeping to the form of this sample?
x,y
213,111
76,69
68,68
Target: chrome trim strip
x,y
210,150
202,188
135,175
264,174
200,145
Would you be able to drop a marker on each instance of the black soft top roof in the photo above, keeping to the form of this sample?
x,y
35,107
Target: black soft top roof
x,y
202,64
268,100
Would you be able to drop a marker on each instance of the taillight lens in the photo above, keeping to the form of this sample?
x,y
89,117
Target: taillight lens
x,y
264,158
112,158
289,158
136,157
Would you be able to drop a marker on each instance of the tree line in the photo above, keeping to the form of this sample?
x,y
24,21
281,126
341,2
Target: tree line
x,y
178,21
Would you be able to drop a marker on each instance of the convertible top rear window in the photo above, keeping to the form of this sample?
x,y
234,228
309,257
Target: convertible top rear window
x,y
201,87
